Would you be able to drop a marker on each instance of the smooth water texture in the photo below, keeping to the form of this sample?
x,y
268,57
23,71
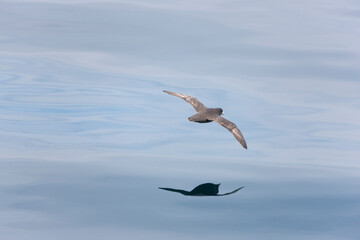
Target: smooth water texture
x,y
87,135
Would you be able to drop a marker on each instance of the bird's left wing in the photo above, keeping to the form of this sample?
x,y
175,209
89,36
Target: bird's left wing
x,y
175,190
192,100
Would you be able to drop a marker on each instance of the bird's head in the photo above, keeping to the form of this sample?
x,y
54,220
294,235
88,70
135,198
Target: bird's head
x,y
220,111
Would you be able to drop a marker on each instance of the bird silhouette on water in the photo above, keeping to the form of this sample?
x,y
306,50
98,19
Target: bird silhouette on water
x,y
205,189
205,115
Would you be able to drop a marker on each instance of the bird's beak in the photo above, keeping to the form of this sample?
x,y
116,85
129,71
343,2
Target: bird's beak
x,y
222,113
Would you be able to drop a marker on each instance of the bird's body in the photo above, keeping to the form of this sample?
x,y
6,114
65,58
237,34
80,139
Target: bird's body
x,y
205,189
206,115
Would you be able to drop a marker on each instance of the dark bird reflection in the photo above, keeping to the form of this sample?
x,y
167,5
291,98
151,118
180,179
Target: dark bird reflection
x,y
206,115
205,189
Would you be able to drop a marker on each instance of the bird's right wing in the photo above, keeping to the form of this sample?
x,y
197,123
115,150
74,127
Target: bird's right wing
x,y
192,100
224,194
233,129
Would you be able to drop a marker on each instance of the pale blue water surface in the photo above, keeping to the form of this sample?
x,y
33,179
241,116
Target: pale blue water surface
x,y
87,135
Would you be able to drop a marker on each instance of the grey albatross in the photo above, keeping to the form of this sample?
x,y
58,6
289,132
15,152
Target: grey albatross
x,y
205,115
205,189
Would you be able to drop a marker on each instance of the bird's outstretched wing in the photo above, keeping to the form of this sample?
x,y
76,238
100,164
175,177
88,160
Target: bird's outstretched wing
x,y
224,194
192,100
233,129
175,190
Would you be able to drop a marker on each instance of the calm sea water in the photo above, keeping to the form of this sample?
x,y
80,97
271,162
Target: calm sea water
x,y
87,135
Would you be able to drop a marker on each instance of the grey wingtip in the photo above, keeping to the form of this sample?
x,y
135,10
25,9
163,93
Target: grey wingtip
x,y
236,190
242,142
232,192
168,92
239,188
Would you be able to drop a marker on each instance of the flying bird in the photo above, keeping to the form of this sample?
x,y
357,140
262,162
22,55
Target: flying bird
x,y
205,189
205,115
